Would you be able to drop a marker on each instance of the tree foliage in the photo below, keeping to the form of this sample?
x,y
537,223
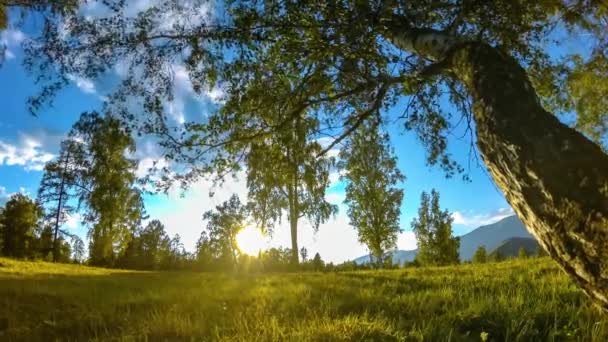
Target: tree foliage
x,y
218,244
114,208
481,255
317,263
78,251
25,234
433,229
149,249
522,253
340,51
19,221
286,176
60,185
53,10
372,196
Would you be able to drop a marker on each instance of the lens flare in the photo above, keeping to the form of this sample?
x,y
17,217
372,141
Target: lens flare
x,y
251,241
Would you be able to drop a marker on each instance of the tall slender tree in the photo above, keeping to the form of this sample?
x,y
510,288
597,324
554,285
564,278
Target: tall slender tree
x,y
371,192
77,249
285,175
356,58
433,229
61,184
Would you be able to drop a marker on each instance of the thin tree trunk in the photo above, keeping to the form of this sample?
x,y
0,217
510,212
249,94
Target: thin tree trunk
x,y
57,218
294,205
293,222
555,178
59,206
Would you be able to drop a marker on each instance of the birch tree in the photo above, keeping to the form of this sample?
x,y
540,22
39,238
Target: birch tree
x,y
372,196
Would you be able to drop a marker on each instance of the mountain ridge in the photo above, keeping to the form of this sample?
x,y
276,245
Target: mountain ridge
x,y
491,236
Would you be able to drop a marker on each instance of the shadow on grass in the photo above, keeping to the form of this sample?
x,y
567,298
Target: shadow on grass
x,y
113,305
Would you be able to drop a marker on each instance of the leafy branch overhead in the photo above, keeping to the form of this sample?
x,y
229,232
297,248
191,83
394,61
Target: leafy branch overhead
x,y
325,60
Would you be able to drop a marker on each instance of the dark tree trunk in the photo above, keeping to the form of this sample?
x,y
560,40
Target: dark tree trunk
x,y
293,219
555,178
294,241
59,206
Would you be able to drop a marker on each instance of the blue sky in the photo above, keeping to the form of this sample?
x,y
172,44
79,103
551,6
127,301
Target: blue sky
x,y
26,142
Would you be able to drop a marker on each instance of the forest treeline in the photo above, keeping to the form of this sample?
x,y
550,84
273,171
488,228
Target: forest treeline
x,y
93,179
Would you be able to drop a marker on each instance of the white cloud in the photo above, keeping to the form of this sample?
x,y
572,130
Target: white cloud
x,y
3,195
192,13
334,177
84,84
11,39
335,197
145,165
407,241
176,109
183,213
325,141
183,92
216,94
27,152
472,220
8,54
73,221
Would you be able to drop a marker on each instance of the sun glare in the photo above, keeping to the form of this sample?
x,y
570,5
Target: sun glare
x,y
250,241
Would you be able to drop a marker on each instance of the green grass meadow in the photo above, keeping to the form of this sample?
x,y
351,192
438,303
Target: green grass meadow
x,y
520,300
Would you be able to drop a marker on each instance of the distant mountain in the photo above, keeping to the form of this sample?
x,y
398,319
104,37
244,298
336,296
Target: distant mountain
x,y
490,236
399,257
510,247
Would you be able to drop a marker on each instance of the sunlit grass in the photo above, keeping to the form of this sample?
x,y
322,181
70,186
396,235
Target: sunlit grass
x,y
529,300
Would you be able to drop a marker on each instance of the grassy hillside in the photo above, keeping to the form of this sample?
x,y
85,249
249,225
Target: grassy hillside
x,y
528,300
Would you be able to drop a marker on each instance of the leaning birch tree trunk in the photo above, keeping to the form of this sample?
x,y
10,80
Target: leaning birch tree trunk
x,y
555,178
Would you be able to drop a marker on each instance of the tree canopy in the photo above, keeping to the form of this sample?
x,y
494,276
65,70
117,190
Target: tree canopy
x,y
18,221
433,229
223,225
114,206
62,183
372,196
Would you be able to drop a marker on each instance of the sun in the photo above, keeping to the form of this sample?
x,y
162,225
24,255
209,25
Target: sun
x,y
250,241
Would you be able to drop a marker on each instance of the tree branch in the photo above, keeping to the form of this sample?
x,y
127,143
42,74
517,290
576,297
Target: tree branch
x,y
359,119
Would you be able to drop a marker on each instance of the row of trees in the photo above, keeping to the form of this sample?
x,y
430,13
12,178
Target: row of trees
x,y
91,176
481,255
92,172
24,235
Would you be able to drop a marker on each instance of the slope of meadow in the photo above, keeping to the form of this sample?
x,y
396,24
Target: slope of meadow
x,y
529,300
